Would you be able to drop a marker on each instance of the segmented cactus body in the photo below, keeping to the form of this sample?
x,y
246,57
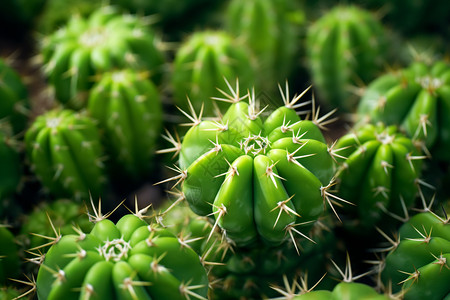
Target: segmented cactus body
x,y
131,259
257,177
128,108
345,47
9,255
417,99
13,98
66,155
344,290
419,264
270,31
106,40
379,174
201,64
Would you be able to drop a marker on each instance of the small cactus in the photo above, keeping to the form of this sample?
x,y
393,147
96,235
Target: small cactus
x,y
65,153
86,47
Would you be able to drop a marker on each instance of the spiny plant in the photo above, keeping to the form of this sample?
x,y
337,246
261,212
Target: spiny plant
x,y
127,106
379,172
65,153
417,264
262,179
345,49
14,98
271,30
417,99
201,63
85,47
132,259
9,255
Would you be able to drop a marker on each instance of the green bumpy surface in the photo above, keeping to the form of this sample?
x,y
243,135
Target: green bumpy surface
x,y
128,107
131,259
419,264
378,174
344,47
9,256
106,40
344,290
417,99
66,155
13,98
202,62
270,30
258,178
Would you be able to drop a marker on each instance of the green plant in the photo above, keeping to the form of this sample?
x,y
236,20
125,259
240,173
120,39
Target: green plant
x,y
417,99
202,62
86,47
132,259
379,173
258,177
11,167
9,255
345,47
127,106
65,153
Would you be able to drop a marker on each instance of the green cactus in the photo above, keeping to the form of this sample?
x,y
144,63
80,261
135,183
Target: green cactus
x,y
345,47
84,48
271,30
65,153
379,173
11,167
344,290
128,108
201,63
257,177
14,98
9,256
417,99
131,259
418,266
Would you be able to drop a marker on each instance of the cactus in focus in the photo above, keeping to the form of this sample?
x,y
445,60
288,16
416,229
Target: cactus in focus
x,y
202,62
131,259
379,173
259,177
65,153
86,47
128,109
418,264
346,46
14,98
417,99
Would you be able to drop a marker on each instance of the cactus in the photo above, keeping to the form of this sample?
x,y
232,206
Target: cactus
x,y
11,167
131,259
84,48
128,109
345,47
9,255
344,290
270,30
379,173
14,98
66,155
202,62
418,266
417,100
258,178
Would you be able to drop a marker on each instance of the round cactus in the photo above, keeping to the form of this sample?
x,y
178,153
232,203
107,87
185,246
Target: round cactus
x,y
417,99
106,40
379,173
9,257
344,47
131,259
66,155
14,98
201,64
418,265
344,290
128,109
258,178
270,31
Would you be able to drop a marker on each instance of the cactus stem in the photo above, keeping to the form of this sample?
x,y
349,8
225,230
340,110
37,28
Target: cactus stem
x,y
221,211
297,137
426,237
232,171
441,261
129,284
270,173
412,276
